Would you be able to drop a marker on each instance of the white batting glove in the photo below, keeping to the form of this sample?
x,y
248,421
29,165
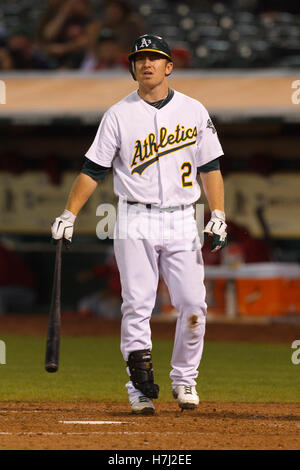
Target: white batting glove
x,y
216,228
63,226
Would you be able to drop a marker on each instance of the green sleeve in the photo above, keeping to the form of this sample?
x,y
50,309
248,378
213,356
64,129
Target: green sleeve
x,y
210,166
95,171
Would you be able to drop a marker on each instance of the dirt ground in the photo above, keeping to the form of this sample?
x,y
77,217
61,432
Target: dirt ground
x,y
111,426
211,426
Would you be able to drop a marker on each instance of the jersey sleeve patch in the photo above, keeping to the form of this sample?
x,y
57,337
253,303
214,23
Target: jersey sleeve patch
x,y
209,147
211,126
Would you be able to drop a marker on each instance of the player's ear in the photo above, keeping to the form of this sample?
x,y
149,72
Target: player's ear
x,y
169,68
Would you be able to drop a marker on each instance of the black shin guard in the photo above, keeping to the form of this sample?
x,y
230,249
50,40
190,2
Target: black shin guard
x,y
141,372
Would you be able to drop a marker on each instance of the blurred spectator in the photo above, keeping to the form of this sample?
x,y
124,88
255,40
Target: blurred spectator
x,y
6,62
21,53
107,301
5,59
63,31
125,21
181,57
105,54
17,282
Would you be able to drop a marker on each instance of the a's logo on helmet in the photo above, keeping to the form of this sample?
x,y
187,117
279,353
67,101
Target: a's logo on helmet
x,y
145,42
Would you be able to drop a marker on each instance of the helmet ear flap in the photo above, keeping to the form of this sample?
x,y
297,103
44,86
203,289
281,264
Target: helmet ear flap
x,y
131,69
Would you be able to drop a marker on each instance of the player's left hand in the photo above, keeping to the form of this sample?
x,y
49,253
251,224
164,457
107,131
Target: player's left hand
x,y
216,228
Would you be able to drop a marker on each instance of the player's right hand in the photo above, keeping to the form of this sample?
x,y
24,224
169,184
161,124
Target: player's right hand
x,y
63,227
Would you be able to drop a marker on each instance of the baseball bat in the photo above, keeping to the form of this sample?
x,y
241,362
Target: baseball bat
x,y
53,335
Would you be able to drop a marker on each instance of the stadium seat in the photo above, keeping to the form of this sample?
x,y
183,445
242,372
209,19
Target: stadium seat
x,y
212,53
243,17
173,33
292,61
205,32
182,9
157,19
206,19
145,9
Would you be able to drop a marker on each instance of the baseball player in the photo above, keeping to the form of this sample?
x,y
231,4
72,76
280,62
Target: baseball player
x,y
156,140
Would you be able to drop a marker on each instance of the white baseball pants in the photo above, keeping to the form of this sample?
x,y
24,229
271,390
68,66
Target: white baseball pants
x,y
148,240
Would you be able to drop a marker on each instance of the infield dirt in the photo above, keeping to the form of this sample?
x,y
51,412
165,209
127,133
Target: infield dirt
x,y
212,426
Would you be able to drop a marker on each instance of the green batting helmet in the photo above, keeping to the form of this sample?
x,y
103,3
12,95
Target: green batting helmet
x,y
151,43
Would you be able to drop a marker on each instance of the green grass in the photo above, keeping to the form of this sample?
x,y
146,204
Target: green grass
x,y
93,369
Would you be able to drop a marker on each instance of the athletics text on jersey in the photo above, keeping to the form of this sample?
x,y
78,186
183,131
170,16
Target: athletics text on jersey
x,y
150,149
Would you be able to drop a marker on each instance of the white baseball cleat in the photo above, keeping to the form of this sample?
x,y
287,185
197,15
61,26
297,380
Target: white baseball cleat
x,y
142,405
187,396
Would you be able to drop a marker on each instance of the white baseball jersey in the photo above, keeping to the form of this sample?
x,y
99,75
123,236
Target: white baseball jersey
x,y
155,152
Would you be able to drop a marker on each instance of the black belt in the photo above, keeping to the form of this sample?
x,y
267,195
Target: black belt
x,y
149,206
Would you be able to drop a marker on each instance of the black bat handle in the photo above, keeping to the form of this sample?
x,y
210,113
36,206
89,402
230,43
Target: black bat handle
x,y
53,336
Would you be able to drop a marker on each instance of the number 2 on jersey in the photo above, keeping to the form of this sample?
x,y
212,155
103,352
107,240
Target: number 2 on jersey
x,y
186,167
